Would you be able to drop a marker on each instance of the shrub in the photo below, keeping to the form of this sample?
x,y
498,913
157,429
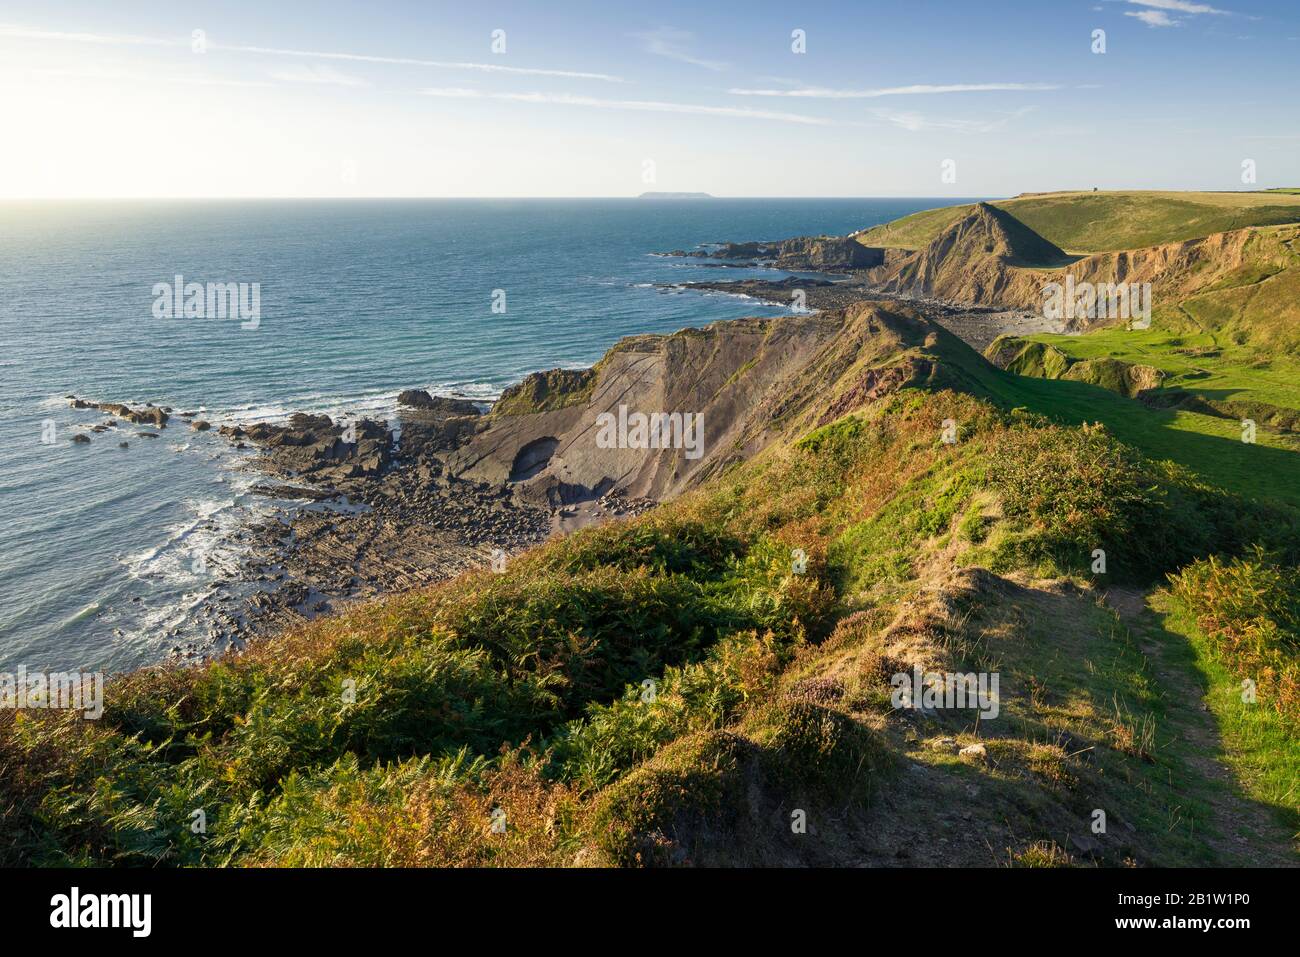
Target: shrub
x,y
1251,608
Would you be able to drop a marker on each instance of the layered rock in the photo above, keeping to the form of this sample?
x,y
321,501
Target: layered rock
x,y
989,258
747,380
827,254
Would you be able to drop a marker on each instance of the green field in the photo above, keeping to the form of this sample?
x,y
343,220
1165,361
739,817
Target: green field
x,y
1197,363
1209,445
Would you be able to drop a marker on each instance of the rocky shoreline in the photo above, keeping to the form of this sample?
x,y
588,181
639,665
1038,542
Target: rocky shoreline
x,y
363,509
368,507
384,512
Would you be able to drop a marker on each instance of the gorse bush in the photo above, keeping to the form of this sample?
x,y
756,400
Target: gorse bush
x,y
1080,489
614,737
1251,608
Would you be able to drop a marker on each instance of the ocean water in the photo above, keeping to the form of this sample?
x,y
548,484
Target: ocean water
x,y
358,300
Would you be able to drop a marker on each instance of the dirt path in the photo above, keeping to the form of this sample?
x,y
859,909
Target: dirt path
x,y
1247,832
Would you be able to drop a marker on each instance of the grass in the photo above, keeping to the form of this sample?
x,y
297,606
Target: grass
x,y
915,230
1250,609
1200,363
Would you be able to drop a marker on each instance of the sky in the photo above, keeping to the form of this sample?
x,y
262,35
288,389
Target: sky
x,y
570,99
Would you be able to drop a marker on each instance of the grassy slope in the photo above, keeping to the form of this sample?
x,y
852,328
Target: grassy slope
x,y
914,231
770,690
1194,363
1085,222
1206,444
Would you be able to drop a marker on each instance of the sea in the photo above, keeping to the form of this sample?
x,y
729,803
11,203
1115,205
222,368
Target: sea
x,y
106,551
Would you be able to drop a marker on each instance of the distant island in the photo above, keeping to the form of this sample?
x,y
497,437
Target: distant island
x,y
675,196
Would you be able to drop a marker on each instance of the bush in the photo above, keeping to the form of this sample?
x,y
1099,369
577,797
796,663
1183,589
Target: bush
x,y
1077,490
1251,608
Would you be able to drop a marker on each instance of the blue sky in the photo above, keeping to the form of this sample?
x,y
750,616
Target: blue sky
x,y
601,99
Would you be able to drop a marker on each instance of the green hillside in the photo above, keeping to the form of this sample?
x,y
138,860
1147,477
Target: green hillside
x,y
1086,222
914,231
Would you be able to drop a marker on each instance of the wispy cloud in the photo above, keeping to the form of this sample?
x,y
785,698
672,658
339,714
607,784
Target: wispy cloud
x,y
1161,13
647,106
826,93
317,74
410,61
675,45
116,39
1155,18
1181,6
917,123
26,33
101,73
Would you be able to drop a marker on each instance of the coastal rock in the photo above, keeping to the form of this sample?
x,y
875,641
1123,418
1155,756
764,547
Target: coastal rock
x,y
199,425
424,437
812,253
81,439
742,382
149,415
445,405
827,254
432,424
316,447
734,374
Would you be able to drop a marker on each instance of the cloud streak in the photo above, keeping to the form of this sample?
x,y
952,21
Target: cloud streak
x,y
645,106
24,33
674,45
1159,13
411,61
317,75
917,123
920,89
